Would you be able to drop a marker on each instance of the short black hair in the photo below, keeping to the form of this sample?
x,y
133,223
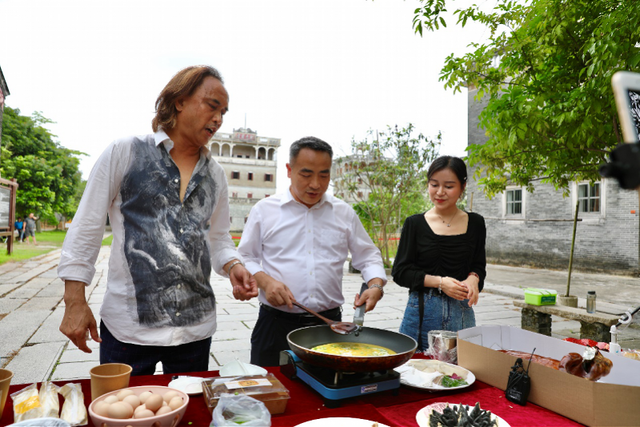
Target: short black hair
x,y
315,144
456,164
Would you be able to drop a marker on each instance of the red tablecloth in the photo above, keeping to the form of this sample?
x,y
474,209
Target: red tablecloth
x,y
393,410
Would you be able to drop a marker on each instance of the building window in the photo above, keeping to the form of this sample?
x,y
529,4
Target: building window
x,y
589,197
266,195
514,202
230,219
235,175
359,194
249,195
250,176
268,177
234,195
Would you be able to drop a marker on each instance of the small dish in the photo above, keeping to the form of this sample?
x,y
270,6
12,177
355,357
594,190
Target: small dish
x,y
412,376
236,367
190,385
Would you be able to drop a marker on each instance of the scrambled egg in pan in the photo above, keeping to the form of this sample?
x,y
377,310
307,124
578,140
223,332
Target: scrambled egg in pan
x,y
353,349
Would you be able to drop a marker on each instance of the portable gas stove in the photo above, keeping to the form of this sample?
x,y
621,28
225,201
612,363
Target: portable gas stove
x,y
335,386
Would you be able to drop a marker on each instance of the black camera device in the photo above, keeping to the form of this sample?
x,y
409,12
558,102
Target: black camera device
x,y
519,384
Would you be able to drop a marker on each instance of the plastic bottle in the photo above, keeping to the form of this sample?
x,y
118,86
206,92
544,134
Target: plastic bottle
x,y
591,302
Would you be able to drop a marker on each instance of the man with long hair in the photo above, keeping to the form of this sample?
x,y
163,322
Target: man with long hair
x,y
168,206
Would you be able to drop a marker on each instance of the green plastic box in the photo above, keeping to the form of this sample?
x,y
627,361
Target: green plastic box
x,y
536,296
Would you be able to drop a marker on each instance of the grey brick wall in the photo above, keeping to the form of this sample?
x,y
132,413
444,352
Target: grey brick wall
x,y
605,242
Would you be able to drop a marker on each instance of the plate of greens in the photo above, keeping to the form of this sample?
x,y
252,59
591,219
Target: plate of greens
x,y
434,375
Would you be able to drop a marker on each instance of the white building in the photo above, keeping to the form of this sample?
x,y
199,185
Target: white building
x,y
250,163
344,172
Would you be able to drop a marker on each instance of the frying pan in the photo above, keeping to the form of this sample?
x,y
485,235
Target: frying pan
x,y
302,340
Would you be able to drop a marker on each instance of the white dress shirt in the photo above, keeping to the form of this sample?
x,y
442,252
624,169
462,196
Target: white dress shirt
x,y
164,248
306,248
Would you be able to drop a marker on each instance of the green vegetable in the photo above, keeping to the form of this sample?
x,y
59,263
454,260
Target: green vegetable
x,y
449,381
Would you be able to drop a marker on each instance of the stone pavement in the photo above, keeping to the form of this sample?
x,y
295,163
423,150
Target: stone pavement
x,y
31,308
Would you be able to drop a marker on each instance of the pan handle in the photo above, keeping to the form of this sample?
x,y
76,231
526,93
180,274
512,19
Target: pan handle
x,y
358,316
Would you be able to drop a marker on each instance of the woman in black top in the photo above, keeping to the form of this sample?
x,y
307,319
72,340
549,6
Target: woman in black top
x,y
441,257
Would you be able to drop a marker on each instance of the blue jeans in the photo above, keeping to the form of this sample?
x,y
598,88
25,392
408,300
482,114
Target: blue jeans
x,y
441,313
190,357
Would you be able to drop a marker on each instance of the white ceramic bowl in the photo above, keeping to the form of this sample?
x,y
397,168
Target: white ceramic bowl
x,y
170,419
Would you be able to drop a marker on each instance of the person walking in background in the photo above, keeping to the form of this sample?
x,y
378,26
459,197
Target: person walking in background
x,y
441,257
168,204
19,225
30,227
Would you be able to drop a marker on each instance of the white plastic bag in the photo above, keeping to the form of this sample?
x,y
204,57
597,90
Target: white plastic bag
x,y
42,422
240,409
49,400
26,404
73,409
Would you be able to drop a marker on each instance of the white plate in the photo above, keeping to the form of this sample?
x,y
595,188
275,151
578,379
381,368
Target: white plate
x,y
422,417
340,421
190,385
414,378
236,367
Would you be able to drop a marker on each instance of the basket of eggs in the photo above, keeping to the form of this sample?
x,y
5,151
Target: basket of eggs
x,y
144,406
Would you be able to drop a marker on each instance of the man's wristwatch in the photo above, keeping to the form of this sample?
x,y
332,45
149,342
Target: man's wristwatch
x,y
233,264
375,285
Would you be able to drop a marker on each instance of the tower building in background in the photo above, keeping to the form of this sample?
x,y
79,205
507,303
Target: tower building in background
x,y
250,162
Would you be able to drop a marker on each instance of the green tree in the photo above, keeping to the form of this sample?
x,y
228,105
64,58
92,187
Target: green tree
x,y
48,173
546,69
386,176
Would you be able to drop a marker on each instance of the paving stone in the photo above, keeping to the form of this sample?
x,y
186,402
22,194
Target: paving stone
x,y
231,326
73,355
240,310
223,357
73,371
233,335
237,317
7,305
24,292
44,303
54,289
17,327
6,288
229,345
34,363
50,329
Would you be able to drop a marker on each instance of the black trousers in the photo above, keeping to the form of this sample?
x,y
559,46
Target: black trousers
x,y
269,336
189,357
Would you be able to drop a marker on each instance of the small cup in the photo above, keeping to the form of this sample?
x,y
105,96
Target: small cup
x,y
109,377
5,381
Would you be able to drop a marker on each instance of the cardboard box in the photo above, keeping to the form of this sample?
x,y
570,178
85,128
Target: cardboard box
x,y
612,401
265,388
536,296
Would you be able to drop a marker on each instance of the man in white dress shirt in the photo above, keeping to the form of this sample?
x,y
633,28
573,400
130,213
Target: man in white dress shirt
x,y
295,244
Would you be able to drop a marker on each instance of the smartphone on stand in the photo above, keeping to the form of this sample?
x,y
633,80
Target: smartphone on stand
x,y
626,91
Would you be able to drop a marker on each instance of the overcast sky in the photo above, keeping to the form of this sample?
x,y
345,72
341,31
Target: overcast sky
x,y
328,68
